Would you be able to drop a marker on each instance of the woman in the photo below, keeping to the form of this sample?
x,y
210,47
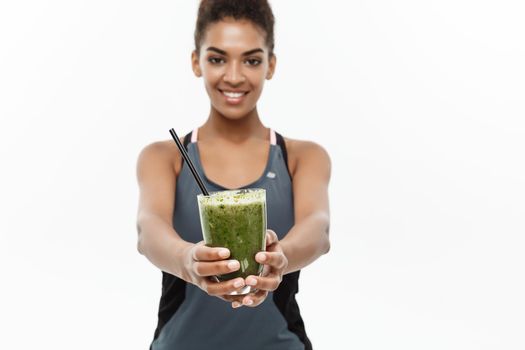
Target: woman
x,y
234,56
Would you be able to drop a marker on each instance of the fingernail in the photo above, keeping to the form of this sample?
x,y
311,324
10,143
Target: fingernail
x,y
224,253
262,257
236,304
233,265
238,283
251,281
248,302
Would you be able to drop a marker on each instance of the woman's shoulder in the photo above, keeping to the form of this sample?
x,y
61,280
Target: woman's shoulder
x,y
164,151
304,151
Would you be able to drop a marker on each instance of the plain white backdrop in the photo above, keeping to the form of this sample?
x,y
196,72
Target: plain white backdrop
x,y
419,103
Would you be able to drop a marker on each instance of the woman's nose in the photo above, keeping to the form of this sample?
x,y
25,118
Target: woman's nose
x,y
234,74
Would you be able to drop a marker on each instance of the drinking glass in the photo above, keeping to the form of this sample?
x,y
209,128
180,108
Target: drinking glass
x,y
236,219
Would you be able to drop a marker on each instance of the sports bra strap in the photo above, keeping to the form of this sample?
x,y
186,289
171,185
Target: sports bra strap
x,y
272,137
187,139
282,144
194,134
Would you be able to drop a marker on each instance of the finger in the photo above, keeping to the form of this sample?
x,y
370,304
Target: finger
x,y
222,289
275,259
267,269
237,303
271,237
268,283
205,269
235,300
255,299
204,253
232,298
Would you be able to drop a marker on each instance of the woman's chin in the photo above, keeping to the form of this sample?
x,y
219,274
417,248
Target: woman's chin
x,y
233,113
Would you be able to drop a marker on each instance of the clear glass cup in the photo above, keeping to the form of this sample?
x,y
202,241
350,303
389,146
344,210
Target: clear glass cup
x,y
236,219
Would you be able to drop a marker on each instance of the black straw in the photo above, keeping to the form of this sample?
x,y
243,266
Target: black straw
x,y
189,162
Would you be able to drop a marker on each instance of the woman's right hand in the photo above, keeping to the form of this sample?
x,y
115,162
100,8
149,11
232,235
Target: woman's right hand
x,y
202,263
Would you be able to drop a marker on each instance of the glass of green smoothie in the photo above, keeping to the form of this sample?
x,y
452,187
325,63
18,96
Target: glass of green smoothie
x,y
236,219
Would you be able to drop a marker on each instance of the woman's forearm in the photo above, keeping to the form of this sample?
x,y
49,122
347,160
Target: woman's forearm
x,y
306,241
161,245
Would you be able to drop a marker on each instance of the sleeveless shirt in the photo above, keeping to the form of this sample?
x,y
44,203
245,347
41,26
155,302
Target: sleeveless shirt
x,y
189,318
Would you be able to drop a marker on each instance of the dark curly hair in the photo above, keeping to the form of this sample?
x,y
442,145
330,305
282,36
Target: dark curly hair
x,y
258,12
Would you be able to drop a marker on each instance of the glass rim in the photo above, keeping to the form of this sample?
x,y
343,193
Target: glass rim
x,y
248,190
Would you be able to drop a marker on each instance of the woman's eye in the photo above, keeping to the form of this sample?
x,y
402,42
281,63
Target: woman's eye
x,y
254,62
215,60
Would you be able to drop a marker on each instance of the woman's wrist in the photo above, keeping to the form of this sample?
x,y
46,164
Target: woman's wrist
x,y
286,251
182,260
164,248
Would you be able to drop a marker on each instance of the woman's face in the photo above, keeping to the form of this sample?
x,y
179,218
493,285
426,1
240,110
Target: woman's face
x,y
234,63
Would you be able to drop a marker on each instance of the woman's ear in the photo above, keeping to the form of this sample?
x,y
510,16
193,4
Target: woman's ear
x,y
195,66
271,67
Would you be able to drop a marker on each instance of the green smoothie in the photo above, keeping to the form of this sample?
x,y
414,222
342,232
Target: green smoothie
x,y
236,220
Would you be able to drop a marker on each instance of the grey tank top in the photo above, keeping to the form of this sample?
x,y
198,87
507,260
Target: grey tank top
x,y
190,319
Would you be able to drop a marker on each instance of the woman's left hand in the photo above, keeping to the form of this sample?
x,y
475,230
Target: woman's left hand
x,y
275,262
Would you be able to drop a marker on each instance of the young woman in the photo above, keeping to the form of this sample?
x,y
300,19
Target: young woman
x,y
232,150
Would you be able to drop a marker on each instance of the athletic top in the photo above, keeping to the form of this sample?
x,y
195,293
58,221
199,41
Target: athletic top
x,y
190,319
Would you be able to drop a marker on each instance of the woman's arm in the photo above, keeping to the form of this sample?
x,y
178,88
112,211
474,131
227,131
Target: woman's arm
x,y
308,239
158,241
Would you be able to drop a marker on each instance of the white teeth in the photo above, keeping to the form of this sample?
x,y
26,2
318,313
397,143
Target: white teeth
x,y
233,94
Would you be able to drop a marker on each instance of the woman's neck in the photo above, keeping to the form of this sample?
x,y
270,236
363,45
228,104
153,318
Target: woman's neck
x,y
233,130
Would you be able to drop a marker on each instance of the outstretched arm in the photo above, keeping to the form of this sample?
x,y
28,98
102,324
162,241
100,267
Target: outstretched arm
x,y
157,239
308,239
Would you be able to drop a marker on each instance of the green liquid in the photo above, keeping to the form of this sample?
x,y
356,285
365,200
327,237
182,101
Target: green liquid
x,y
240,227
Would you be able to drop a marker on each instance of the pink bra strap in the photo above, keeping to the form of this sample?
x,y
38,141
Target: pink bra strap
x,y
194,135
273,138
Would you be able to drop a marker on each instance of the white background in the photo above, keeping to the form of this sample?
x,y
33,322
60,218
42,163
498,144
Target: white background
x,y
419,103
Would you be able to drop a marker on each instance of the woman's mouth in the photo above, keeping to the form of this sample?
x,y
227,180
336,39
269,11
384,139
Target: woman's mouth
x,y
233,97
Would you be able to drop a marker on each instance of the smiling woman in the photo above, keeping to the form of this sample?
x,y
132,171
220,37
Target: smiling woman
x,y
233,76
233,96
232,150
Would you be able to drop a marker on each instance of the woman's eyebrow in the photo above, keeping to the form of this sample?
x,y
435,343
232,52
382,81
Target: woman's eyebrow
x,y
222,52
